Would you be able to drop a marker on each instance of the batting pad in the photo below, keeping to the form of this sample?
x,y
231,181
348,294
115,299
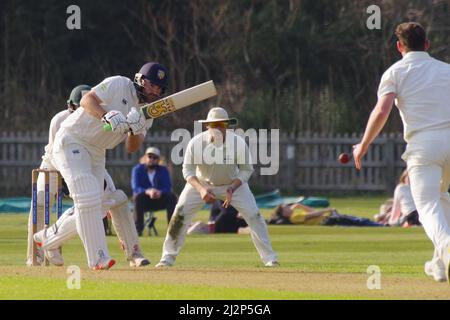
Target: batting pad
x,y
87,196
63,230
123,223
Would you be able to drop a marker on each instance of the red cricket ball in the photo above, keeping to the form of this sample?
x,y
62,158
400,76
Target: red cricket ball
x,y
344,158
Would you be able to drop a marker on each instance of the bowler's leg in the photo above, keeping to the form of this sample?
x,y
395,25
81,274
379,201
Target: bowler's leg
x,y
426,191
445,196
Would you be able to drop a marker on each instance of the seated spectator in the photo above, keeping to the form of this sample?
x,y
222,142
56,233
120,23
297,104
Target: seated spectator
x,y
223,220
301,214
403,210
152,188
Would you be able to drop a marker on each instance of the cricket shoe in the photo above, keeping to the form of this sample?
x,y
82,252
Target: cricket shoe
x,y
446,259
445,256
435,269
105,264
54,256
138,260
163,264
272,264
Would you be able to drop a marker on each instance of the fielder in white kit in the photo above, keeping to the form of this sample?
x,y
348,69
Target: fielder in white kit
x,y
226,177
421,87
47,163
81,142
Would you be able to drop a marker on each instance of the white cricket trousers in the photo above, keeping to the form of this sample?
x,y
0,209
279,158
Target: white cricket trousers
x,y
428,159
83,170
190,202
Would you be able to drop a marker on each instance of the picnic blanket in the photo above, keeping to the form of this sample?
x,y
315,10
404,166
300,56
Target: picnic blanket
x,y
272,199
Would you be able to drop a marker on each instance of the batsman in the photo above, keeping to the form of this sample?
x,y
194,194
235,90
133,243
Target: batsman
x,y
81,143
114,200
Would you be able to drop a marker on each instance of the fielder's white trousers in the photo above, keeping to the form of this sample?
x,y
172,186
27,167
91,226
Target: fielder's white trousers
x,y
428,159
190,202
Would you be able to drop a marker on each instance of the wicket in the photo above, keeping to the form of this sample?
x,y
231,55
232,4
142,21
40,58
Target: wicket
x,y
59,196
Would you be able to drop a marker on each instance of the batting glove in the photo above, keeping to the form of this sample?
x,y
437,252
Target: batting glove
x,y
117,121
136,121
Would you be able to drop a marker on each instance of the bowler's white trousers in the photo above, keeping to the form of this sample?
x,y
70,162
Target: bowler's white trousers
x,y
428,159
190,202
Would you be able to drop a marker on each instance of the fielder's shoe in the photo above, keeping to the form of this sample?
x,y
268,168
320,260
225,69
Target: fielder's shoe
x,y
105,264
272,264
163,264
138,260
435,269
54,256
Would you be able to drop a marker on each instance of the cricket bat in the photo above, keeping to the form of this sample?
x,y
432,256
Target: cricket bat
x,y
176,101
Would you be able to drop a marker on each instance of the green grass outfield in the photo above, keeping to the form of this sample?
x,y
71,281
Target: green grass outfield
x,y
317,263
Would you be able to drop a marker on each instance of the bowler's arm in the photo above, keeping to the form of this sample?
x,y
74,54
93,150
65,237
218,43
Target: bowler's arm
x,y
377,120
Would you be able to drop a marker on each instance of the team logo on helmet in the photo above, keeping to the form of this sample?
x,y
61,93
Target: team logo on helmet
x,y
161,74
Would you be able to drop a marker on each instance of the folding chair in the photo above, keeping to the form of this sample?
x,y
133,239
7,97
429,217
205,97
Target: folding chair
x,y
149,222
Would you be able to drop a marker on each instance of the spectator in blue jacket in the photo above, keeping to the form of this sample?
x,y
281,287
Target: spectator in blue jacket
x,y
152,188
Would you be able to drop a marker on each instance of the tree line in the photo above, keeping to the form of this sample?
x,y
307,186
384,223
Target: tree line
x,y
302,66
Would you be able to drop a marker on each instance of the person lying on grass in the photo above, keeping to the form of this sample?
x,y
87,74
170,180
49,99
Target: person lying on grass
x,y
224,220
300,214
401,210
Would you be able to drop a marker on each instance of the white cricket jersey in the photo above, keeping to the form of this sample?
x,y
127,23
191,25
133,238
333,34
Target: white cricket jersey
x,y
218,165
117,93
55,123
422,88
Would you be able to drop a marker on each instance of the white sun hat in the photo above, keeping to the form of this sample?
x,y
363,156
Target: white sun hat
x,y
153,150
218,115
